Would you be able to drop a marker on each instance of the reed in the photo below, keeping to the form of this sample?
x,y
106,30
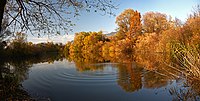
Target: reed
x,y
188,58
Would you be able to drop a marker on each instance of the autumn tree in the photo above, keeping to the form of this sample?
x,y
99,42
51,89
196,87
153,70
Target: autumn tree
x,y
66,48
191,30
129,24
93,42
47,16
87,42
78,42
155,22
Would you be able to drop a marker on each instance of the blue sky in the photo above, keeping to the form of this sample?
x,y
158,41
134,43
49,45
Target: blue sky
x,y
96,22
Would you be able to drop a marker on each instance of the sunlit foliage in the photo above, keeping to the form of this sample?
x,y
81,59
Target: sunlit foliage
x,y
129,24
87,42
155,22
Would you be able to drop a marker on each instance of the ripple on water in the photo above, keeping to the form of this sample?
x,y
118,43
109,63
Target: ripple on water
x,y
89,77
44,79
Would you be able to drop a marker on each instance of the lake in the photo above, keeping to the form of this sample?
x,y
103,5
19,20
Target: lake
x,y
63,80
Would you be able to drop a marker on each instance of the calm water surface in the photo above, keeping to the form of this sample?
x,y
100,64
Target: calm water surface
x,y
66,81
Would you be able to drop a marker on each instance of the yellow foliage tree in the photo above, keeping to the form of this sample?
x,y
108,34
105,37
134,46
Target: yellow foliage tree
x,y
155,22
129,24
78,42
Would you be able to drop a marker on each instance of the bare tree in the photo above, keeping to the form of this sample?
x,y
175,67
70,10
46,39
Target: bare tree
x,y
47,16
2,5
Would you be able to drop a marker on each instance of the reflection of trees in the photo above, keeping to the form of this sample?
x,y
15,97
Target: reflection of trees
x,y
183,94
154,80
158,73
84,62
82,59
88,67
195,85
190,91
155,74
118,57
130,78
13,72
86,58
151,61
11,76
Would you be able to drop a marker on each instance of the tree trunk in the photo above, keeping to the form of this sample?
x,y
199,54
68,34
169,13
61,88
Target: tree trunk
x,y
2,6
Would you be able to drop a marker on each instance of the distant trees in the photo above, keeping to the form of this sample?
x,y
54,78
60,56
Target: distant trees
x,y
20,37
18,45
20,48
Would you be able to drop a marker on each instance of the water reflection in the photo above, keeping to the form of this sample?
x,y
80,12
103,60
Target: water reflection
x,y
154,74
13,72
130,77
99,75
11,76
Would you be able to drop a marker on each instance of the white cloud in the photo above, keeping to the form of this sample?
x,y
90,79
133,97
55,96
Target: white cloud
x,y
56,39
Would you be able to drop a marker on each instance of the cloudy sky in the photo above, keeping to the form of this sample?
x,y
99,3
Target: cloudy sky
x,y
96,22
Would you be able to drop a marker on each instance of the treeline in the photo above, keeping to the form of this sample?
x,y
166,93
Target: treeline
x,y
20,48
151,33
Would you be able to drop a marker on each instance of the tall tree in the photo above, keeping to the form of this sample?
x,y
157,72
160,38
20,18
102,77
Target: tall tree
x,y
48,16
129,23
155,22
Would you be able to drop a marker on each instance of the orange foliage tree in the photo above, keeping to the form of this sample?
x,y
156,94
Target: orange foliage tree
x,y
129,24
155,22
